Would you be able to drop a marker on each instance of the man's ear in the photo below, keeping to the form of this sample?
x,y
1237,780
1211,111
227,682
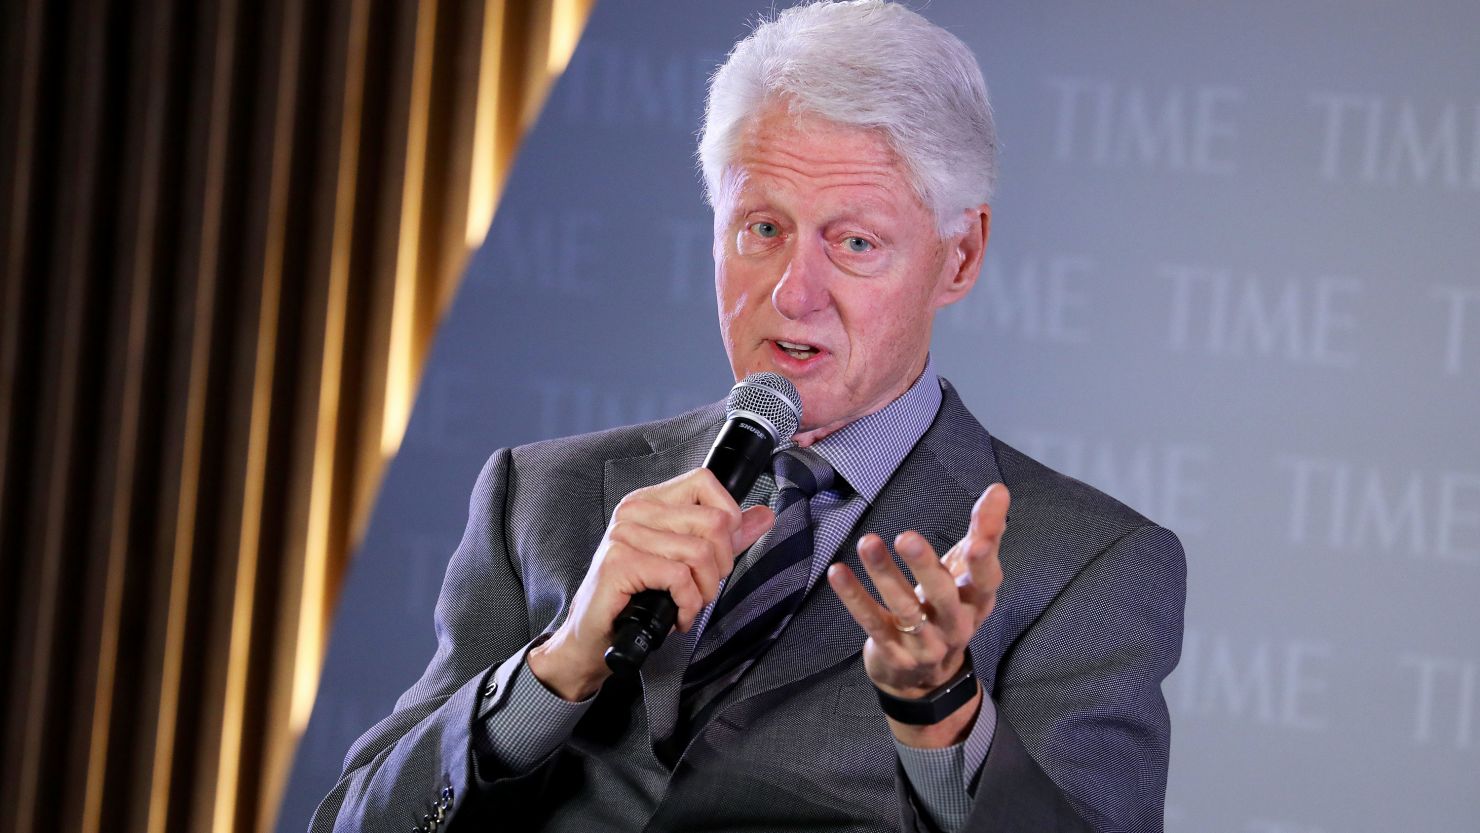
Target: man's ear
x,y
964,254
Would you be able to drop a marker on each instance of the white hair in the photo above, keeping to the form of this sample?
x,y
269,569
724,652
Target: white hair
x,y
870,64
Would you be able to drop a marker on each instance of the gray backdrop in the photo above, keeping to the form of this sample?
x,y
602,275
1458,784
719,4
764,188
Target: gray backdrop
x,y
1232,280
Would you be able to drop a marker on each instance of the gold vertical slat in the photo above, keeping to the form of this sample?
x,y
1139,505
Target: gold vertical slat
x,y
310,627
535,73
402,363
248,554
485,177
375,267
452,125
187,487
215,112
301,629
154,34
567,19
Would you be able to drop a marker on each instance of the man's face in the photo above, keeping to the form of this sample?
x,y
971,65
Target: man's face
x,y
829,269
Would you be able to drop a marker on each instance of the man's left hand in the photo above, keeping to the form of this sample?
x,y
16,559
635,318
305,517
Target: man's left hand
x,y
917,639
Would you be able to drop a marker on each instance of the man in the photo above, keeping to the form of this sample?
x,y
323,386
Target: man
x,y
849,155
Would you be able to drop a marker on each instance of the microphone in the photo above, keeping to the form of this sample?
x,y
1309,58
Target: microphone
x,y
762,411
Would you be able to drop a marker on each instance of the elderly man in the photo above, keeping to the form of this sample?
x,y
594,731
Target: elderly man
x,y
1010,684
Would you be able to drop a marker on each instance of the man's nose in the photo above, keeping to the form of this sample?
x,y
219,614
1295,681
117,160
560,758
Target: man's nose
x,y
802,289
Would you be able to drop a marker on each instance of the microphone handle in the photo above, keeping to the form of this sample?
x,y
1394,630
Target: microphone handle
x,y
739,454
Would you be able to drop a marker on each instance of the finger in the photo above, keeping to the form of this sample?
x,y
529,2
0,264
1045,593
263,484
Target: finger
x,y
874,619
698,554
937,588
702,487
705,522
989,517
983,534
983,571
754,522
698,487
678,580
979,585
694,518
894,588
637,570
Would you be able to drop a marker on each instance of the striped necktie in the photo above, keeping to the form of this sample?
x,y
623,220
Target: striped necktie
x,y
756,604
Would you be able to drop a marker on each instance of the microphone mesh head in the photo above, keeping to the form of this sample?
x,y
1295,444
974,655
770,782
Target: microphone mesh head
x,y
770,399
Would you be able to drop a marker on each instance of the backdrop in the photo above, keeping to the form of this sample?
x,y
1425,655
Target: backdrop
x,y
1232,280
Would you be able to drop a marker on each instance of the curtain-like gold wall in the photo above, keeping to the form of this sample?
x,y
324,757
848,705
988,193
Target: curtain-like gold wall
x,y
228,229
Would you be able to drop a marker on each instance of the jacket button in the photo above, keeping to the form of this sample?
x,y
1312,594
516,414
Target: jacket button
x,y
447,793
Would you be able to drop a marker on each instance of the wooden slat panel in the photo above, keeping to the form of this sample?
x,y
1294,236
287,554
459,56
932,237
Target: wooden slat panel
x,y
223,262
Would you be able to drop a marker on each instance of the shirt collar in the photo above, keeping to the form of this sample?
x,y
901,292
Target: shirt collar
x,y
867,450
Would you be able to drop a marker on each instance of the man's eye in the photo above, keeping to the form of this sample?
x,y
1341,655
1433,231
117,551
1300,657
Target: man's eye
x,y
857,245
764,229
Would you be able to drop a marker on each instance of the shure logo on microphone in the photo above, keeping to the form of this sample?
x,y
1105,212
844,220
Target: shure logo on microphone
x,y
754,430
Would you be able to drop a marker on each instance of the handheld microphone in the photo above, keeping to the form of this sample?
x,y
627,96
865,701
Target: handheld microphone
x,y
762,411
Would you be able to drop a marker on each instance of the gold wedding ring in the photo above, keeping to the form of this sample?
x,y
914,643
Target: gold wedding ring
x,y
912,628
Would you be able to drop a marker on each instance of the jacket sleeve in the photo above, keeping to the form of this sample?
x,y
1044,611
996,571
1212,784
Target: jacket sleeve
x,y
1083,733
417,767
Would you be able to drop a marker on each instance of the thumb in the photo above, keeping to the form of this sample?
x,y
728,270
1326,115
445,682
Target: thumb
x,y
753,524
989,514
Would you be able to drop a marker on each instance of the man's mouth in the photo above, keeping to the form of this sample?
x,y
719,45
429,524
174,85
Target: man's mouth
x,y
798,351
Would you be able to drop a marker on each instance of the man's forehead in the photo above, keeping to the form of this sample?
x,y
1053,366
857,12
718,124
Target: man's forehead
x,y
856,195
780,154
778,129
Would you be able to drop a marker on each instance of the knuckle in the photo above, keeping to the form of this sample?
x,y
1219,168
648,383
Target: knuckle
x,y
703,478
716,521
688,552
630,554
677,575
615,554
699,552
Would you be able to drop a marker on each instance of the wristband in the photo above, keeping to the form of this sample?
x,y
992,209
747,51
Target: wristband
x,y
935,706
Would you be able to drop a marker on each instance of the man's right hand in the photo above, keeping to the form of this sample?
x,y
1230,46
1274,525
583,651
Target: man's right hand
x,y
681,536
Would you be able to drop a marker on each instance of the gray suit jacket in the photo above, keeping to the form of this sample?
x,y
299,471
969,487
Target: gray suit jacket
x,y
1088,622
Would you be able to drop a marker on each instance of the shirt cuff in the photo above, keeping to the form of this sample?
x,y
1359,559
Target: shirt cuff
x,y
944,779
522,721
